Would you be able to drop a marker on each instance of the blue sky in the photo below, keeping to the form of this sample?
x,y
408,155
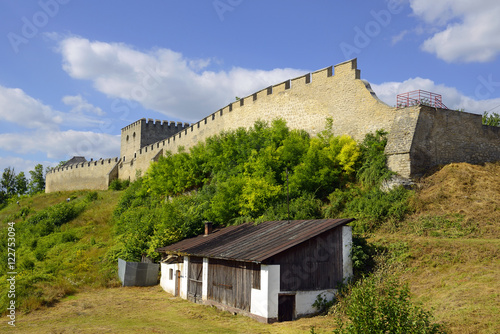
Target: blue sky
x,y
74,72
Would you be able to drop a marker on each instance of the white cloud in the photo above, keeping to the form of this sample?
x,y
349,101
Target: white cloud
x,y
161,79
467,30
62,144
22,109
31,128
27,112
80,105
452,98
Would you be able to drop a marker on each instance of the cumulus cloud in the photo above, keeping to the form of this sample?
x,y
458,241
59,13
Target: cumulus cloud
x,y
80,105
60,145
162,80
452,98
467,30
21,109
31,128
27,112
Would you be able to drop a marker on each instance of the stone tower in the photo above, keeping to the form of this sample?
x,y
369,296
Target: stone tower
x,y
142,133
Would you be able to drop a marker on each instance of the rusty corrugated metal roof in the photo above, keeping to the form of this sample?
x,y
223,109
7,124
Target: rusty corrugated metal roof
x,y
253,243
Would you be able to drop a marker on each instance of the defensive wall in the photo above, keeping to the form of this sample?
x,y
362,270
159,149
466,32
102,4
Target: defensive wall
x,y
420,137
94,175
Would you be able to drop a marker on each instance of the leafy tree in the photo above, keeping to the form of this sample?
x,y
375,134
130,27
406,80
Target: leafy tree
x,y
8,181
21,184
37,182
492,119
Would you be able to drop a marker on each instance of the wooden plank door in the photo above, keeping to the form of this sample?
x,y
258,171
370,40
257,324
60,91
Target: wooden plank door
x,y
195,276
177,283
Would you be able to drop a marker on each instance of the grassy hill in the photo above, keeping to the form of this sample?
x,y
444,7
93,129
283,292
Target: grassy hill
x,y
448,251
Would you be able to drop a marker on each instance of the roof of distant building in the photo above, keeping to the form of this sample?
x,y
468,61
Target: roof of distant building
x,y
75,160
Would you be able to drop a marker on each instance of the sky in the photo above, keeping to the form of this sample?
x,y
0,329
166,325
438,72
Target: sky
x,y
74,72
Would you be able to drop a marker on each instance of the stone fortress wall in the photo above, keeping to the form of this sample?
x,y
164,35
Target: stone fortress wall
x,y
423,137
419,137
85,175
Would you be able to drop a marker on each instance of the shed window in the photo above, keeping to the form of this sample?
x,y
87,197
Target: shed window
x,y
256,276
170,274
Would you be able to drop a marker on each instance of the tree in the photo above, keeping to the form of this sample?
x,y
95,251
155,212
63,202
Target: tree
x,y
61,163
37,182
21,183
8,181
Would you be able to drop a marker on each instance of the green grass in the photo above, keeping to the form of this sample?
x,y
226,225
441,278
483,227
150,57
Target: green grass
x,y
68,256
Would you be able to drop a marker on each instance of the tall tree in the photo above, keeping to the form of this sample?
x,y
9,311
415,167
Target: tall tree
x,y
21,184
37,182
8,181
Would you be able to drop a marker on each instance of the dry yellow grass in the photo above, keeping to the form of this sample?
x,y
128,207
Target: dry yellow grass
x,y
469,190
458,279
455,269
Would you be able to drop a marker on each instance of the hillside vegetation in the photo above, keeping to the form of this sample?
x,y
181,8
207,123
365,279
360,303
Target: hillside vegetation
x,y
441,239
247,175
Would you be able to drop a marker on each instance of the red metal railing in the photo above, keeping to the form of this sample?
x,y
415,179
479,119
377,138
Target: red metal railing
x,y
420,97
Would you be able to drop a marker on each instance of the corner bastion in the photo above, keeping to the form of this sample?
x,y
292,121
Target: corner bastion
x,y
419,137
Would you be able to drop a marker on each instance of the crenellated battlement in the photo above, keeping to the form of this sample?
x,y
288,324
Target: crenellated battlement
x,y
92,174
145,132
91,163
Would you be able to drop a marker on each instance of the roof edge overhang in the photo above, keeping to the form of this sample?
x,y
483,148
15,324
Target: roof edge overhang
x,y
341,222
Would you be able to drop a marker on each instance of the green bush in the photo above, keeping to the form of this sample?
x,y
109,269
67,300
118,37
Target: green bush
x,y
362,255
117,184
92,196
373,169
303,207
370,207
381,305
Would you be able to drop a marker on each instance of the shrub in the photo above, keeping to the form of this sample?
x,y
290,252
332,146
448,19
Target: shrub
x,y
303,207
373,169
117,184
92,196
362,255
376,305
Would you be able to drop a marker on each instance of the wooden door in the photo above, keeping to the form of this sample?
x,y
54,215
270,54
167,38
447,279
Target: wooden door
x,y
195,275
286,307
177,283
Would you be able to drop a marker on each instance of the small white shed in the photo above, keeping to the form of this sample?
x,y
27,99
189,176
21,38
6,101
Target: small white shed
x,y
272,271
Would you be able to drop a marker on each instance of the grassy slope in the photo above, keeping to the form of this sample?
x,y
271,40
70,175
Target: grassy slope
x,y
450,251
70,265
453,246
